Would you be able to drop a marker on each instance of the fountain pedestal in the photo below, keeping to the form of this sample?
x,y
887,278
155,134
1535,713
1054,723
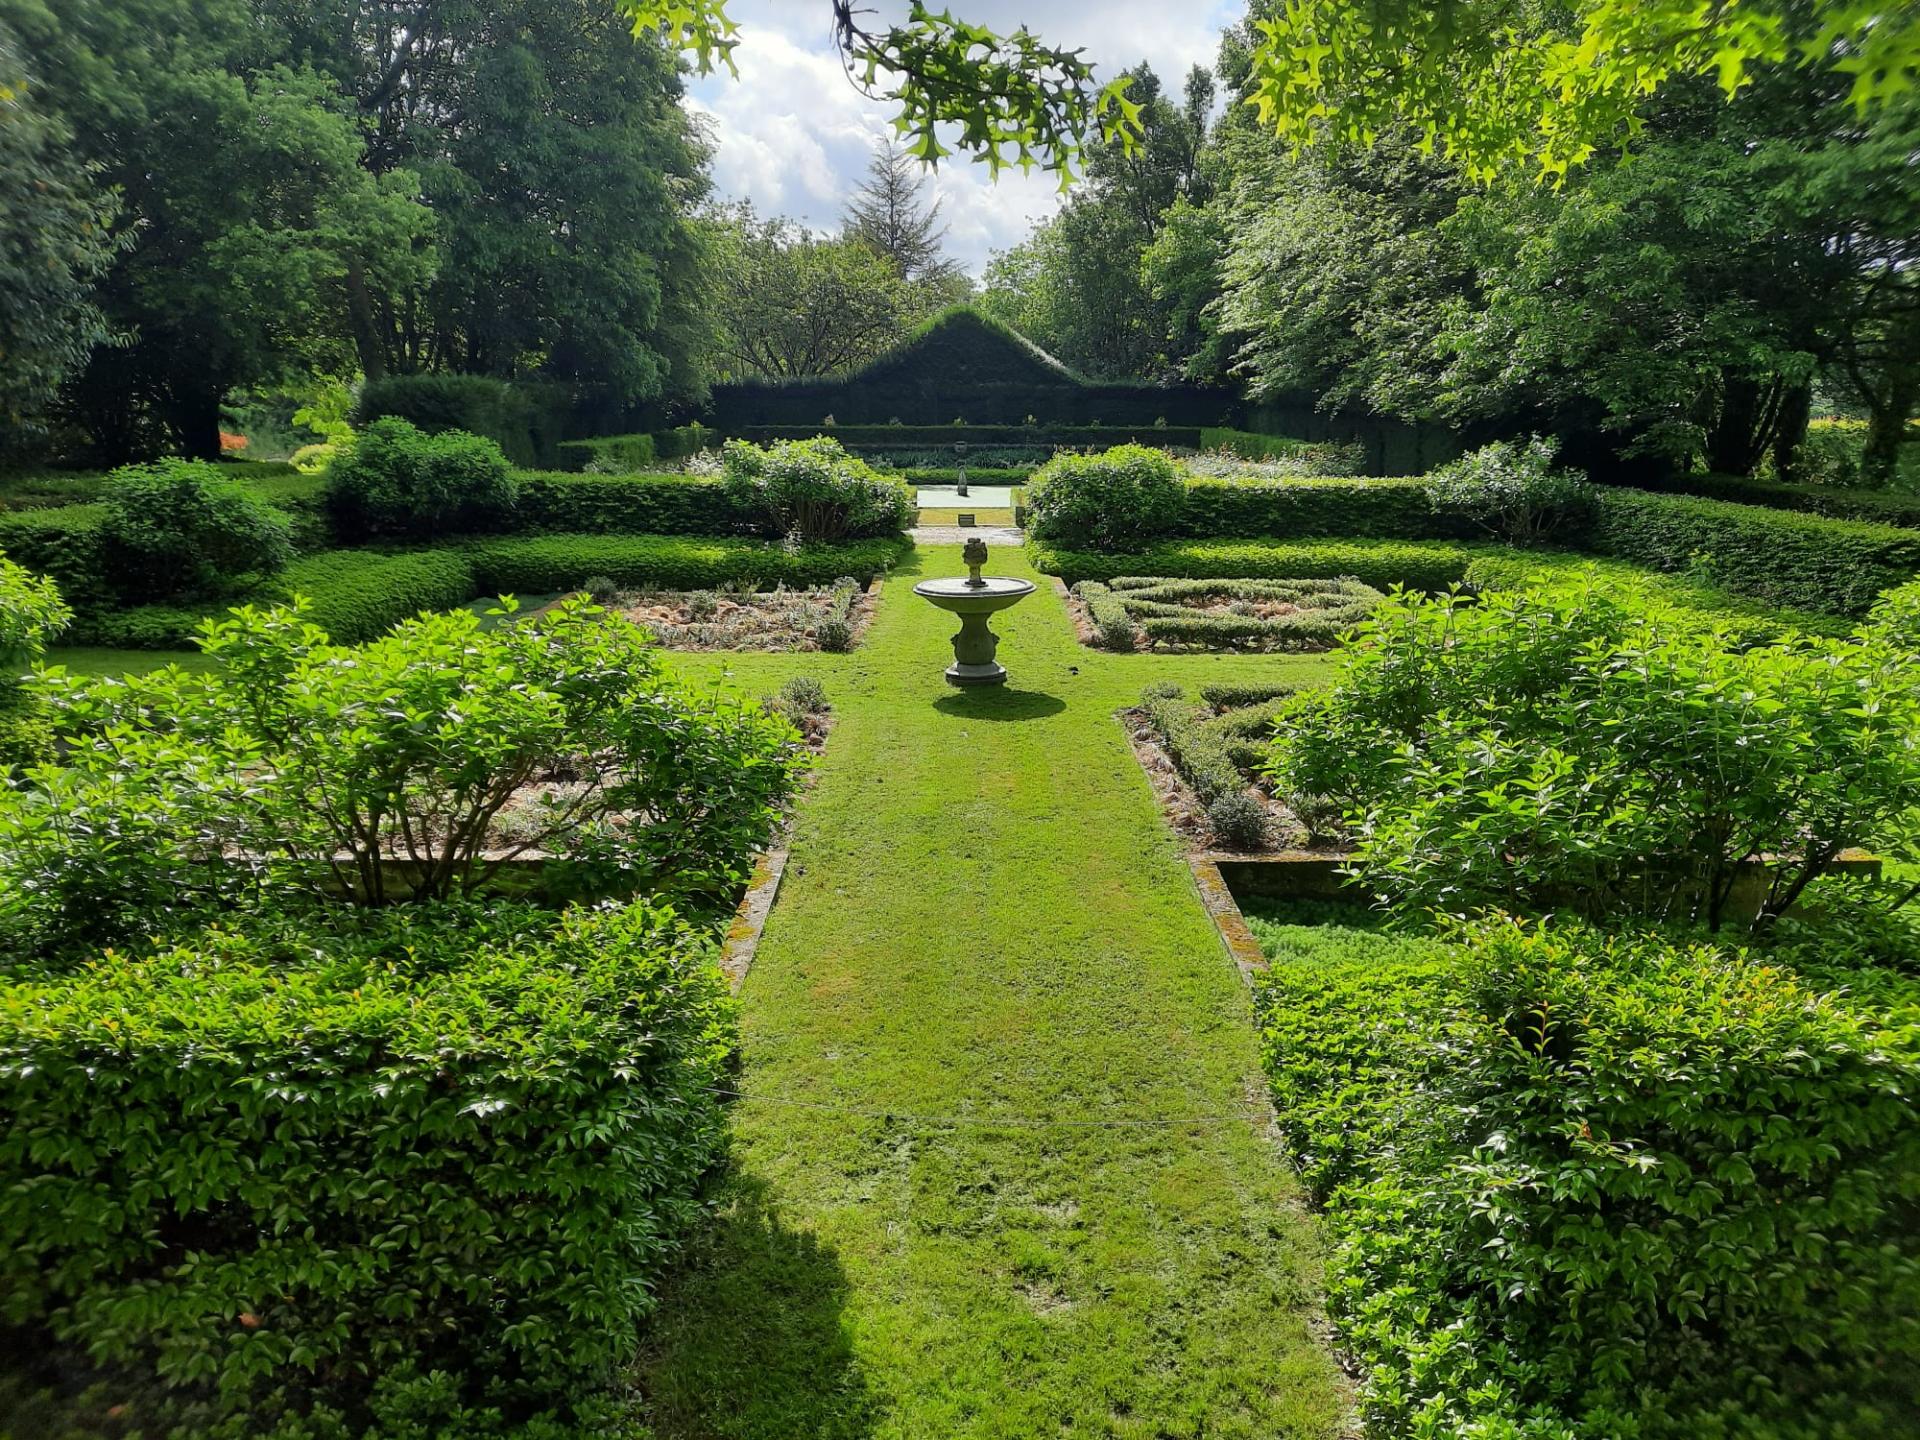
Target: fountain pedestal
x,y
973,599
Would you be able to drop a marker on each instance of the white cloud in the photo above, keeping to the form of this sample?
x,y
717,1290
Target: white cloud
x,y
793,135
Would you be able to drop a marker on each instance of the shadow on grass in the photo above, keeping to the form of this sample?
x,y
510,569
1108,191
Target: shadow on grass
x,y
747,1343
999,702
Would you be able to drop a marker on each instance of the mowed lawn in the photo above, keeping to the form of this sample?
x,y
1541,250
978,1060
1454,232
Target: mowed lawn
x,y
1002,1165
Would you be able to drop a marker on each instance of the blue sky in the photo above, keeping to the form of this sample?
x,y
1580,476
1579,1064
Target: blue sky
x,y
793,136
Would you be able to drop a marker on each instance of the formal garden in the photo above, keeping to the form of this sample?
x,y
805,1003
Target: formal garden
x,y
1296,814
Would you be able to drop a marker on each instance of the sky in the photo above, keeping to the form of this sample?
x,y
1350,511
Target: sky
x,y
793,136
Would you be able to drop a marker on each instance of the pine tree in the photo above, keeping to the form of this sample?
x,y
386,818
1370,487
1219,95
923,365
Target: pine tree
x,y
889,214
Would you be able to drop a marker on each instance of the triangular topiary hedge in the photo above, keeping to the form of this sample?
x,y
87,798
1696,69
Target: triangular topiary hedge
x,y
962,365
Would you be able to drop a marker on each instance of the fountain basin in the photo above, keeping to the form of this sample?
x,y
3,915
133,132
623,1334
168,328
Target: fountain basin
x,y
973,601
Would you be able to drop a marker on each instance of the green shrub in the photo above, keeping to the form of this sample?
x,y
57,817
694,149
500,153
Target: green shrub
x,y
1195,748
804,695
525,421
1511,491
445,745
408,1176
181,529
1307,614
1382,564
663,504
612,454
401,481
1238,821
834,635
1113,627
1236,695
354,595
542,565
1881,507
62,544
1124,498
1803,561
1545,750
31,614
814,491
1581,1186
1315,508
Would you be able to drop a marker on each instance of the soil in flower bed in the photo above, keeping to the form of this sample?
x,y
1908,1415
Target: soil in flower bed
x,y
829,619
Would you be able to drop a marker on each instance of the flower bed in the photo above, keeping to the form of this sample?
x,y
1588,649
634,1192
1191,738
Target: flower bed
x,y
829,618
1139,612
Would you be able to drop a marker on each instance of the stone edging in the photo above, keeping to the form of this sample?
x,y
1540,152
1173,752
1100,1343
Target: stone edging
x,y
1242,948
750,916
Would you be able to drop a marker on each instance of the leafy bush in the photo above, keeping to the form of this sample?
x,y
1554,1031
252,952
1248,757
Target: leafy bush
x,y
1552,749
525,421
834,635
63,544
601,589
1126,497
400,481
216,1149
541,565
1582,1186
446,746
1804,561
814,491
179,529
31,614
805,695
1239,821
1511,491
1380,563
1234,614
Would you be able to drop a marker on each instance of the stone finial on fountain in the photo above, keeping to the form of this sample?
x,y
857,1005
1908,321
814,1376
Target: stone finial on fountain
x,y
975,554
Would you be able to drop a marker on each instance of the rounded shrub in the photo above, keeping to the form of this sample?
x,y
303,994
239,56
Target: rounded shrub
x,y
1239,821
1124,499
812,490
399,480
31,614
179,529
1510,490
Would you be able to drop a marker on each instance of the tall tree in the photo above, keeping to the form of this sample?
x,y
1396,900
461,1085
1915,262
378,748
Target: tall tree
x,y
55,241
803,305
562,171
1076,285
244,194
890,214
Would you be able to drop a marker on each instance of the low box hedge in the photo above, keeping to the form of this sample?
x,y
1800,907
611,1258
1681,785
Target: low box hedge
x,y
1805,561
538,565
1316,614
404,1175
1428,565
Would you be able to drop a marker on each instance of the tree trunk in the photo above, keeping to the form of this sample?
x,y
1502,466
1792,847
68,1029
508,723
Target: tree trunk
x,y
1887,427
1790,429
193,415
367,339
1745,425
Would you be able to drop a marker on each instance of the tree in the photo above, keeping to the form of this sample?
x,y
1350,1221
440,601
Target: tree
x,y
1490,83
562,172
799,304
1076,285
889,214
55,241
245,198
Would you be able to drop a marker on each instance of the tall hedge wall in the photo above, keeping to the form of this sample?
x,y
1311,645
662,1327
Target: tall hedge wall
x,y
943,437
962,364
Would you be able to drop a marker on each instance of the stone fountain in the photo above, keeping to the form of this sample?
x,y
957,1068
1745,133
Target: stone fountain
x,y
973,600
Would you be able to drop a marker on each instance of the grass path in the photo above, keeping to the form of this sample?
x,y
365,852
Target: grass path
x,y
985,920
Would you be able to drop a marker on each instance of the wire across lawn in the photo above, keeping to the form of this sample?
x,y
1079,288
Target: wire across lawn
x,y
1002,1167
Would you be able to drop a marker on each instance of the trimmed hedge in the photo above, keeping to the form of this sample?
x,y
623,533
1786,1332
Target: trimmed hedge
x,y
943,437
539,565
1332,507
66,544
1834,501
1197,749
1432,565
1804,561
640,504
357,595
410,1175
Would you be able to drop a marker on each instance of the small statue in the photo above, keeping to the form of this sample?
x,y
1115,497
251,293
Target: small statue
x,y
975,554
960,454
